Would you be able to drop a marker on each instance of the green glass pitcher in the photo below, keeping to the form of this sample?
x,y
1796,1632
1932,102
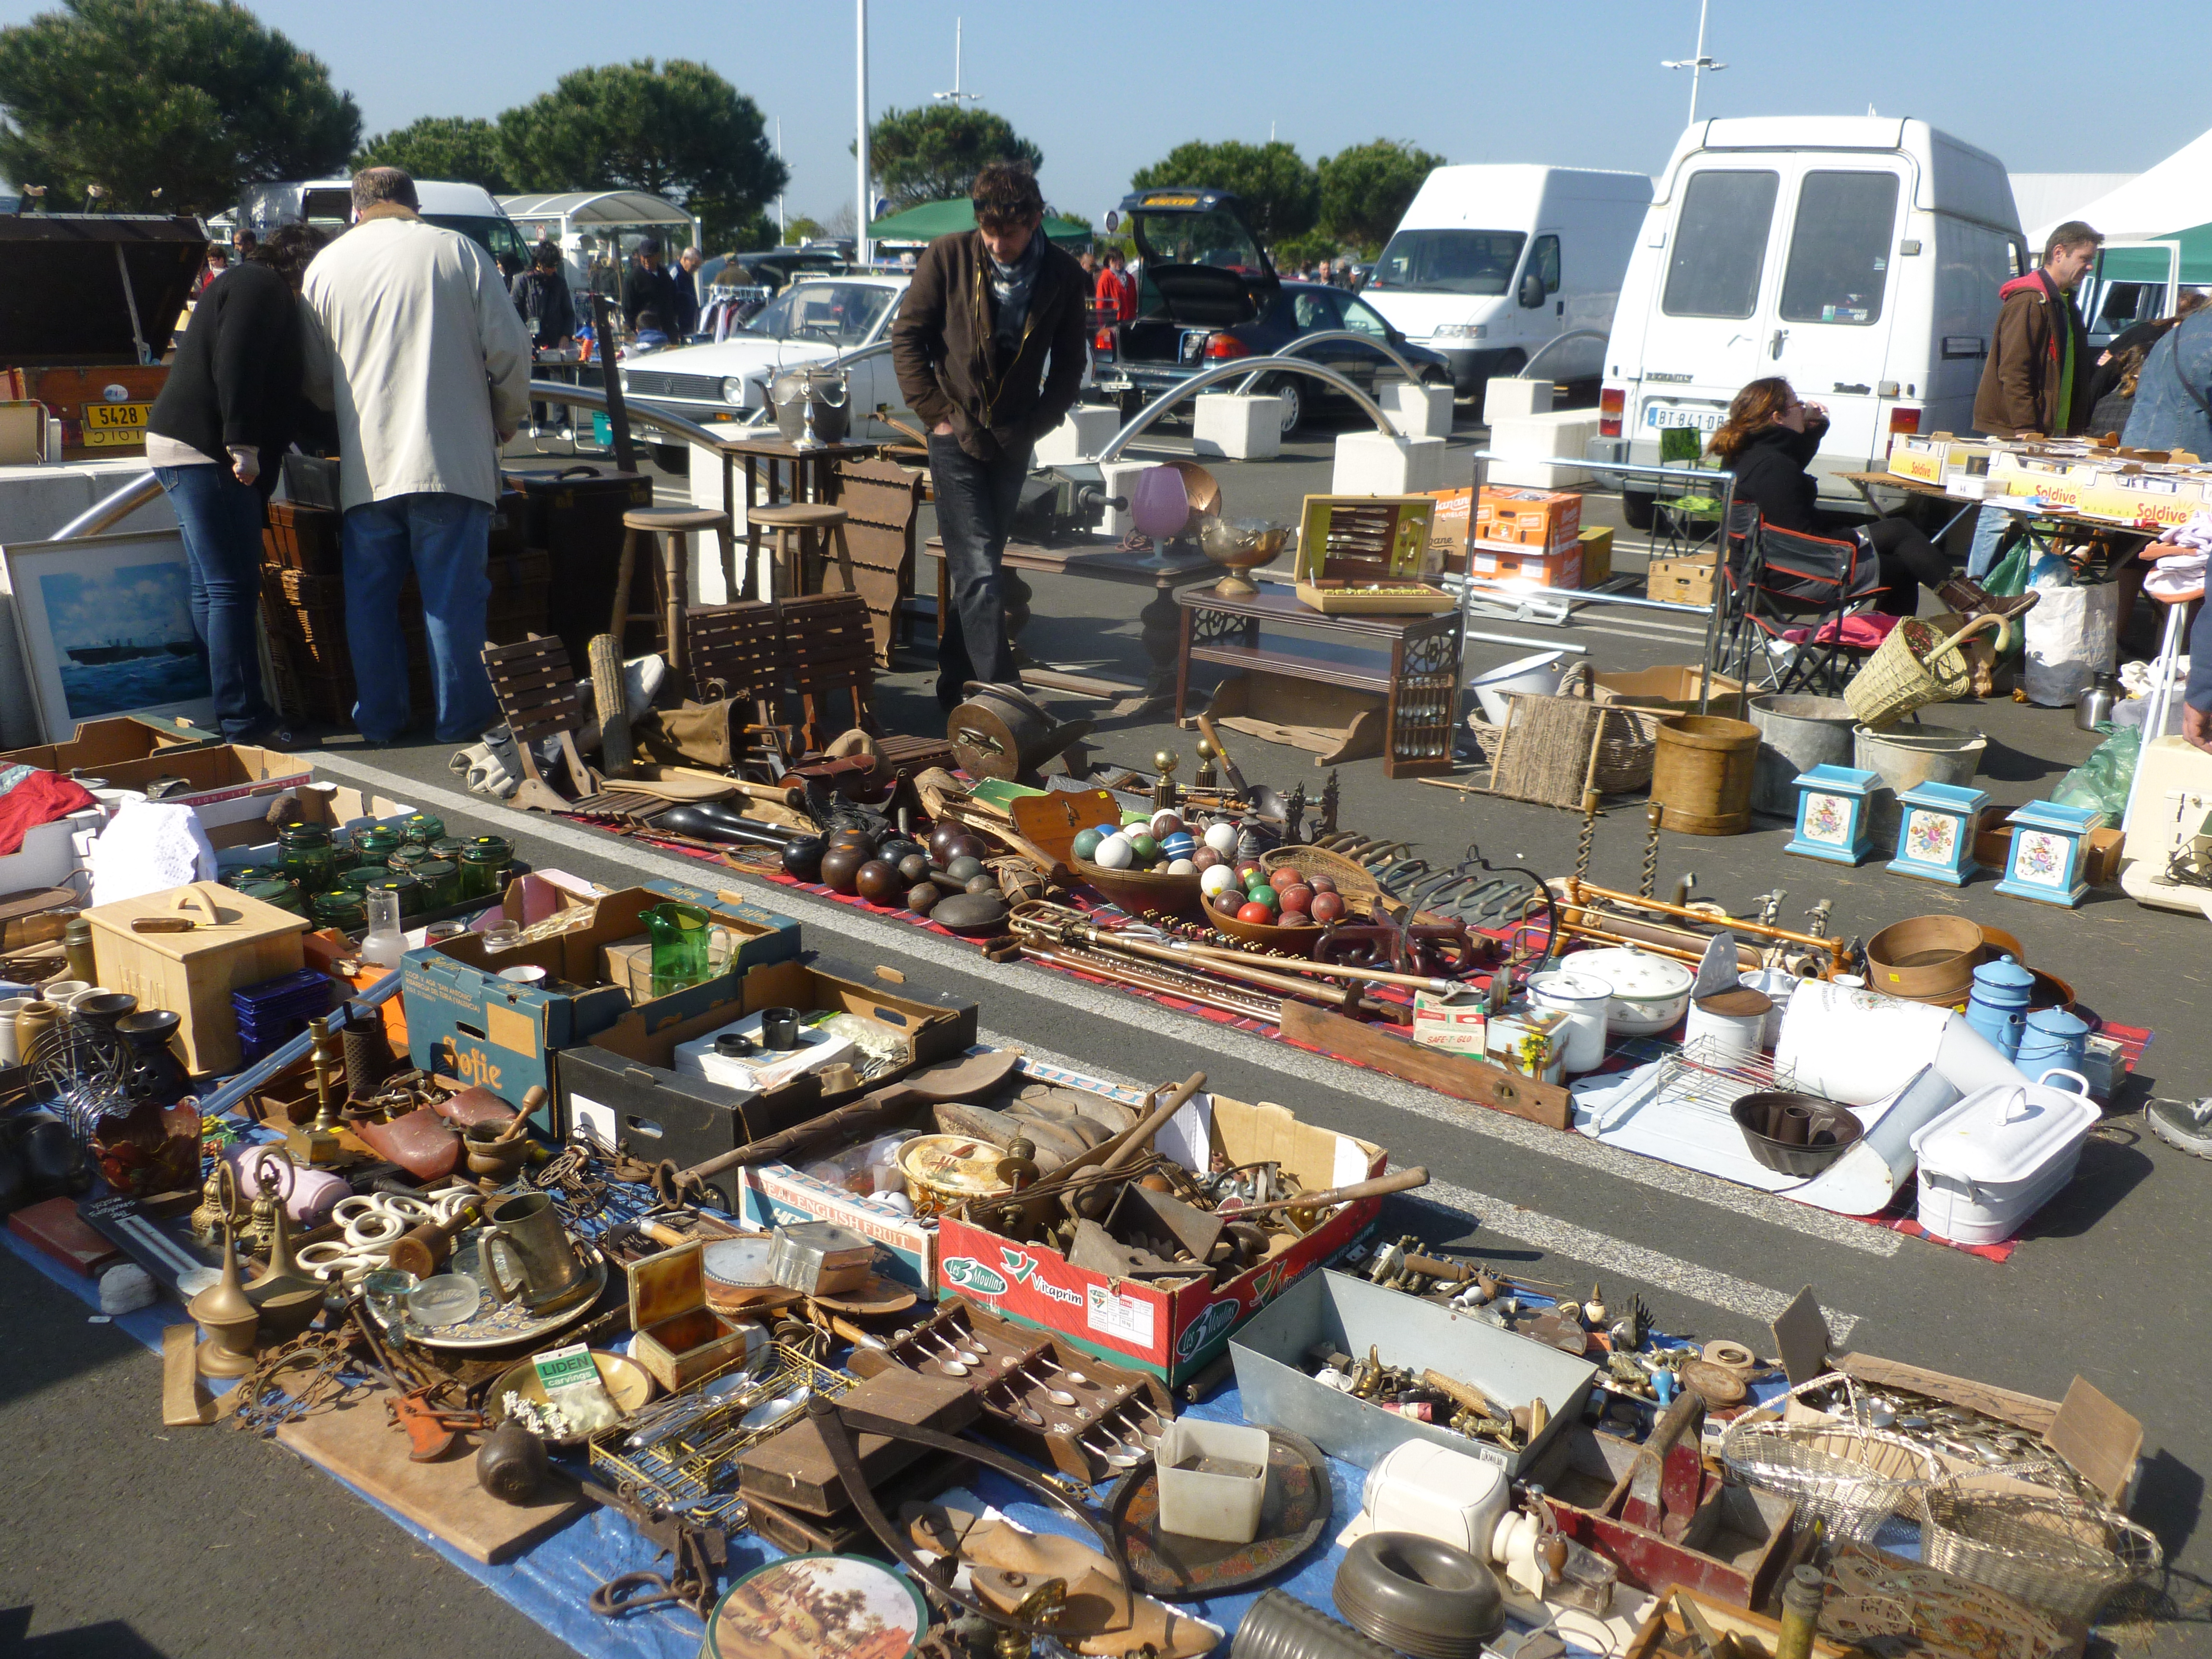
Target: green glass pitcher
x,y
683,937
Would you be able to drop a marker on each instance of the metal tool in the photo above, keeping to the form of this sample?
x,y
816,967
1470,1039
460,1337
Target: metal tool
x,y
697,1556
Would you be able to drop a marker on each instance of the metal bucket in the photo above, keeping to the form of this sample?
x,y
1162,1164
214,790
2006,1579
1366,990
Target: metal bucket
x,y
1796,734
1905,757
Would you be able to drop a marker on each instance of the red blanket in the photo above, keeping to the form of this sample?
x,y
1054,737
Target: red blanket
x,y
36,797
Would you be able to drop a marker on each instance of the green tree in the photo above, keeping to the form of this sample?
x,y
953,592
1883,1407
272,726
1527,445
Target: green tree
x,y
801,229
932,153
463,147
1364,189
1282,196
169,104
677,129
1292,251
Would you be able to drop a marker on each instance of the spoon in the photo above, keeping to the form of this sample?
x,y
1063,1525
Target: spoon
x,y
1021,1409
1120,1457
1057,1396
956,1364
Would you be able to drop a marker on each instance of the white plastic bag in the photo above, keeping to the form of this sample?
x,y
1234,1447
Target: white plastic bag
x,y
2073,634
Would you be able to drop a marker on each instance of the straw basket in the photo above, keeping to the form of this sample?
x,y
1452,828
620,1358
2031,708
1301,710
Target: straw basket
x,y
1627,745
1841,1472
2054,1551
1915,666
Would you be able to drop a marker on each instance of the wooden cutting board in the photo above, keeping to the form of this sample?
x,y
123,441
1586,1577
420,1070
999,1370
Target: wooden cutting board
x,y
356,1443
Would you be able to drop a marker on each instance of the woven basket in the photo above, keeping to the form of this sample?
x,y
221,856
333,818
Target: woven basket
x,y
1842,1473
1627,746
2054,1551
1914,666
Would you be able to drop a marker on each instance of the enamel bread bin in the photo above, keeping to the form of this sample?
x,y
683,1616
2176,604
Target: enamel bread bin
x,y
1999,1155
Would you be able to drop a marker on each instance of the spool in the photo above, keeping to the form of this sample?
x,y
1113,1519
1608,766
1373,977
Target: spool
x,y
1703,772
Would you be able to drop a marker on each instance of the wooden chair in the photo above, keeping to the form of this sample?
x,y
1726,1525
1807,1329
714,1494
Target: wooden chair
x,y
736,651
875,556
536,686
665,528
801,530
829,646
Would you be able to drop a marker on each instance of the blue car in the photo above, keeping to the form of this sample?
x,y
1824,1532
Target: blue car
x,y
1208,296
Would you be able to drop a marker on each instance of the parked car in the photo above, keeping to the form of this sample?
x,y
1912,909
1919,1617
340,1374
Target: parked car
x,y
813,320
1209,295
1491,264
1858,255
775,268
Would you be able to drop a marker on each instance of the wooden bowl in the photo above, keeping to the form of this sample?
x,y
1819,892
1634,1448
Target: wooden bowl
x,y
627,1383
1139,891
1291,941
1925,958
1353,881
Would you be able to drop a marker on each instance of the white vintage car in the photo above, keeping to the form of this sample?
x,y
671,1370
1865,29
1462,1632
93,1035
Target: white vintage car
x,y
815,319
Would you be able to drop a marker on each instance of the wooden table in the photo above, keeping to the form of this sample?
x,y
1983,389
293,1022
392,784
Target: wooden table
x,y
814,479
1420,677
1105,564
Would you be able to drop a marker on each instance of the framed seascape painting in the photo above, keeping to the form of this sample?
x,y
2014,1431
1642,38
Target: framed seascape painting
x,y
104,626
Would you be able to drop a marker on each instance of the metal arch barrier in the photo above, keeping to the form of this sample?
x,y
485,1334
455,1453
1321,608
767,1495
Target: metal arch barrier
x,y
1560,340
1327,335
1213,377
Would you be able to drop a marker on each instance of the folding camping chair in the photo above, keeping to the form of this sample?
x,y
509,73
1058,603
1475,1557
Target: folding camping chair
x,y
1791,580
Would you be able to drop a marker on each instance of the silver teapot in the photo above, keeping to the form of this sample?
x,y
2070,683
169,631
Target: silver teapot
x,y
811,404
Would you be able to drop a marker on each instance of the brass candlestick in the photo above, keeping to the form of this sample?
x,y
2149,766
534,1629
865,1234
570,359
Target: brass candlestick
x,y
1207,778
222,1311
323,1145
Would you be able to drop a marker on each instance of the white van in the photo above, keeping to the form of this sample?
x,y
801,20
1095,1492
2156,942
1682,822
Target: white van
x,y
1492,263
1857,255
327,204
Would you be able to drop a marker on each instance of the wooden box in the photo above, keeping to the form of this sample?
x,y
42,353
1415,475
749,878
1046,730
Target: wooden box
x,y
793,1468
679,1338
1680,581
102,409
235,940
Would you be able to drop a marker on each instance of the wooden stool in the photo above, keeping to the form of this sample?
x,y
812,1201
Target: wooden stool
x,y
811,522
670,525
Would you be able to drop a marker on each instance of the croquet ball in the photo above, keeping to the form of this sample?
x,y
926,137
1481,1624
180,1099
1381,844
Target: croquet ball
x,y
1228,900
1222,838
1115,853
1264,897
1285,877
1322,884
964,869
877,881
1327,907
1248,870
1256,912
1144,848
1180,845
1087,843
923,899
1182,867
1107,827
1295,919
1206,858
1166,824
1297,898
1217,878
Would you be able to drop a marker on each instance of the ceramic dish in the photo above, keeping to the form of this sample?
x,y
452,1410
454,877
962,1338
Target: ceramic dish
x,y
1649,992
629,1384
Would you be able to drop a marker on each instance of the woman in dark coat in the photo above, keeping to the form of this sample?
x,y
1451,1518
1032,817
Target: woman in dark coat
x,y
230,409
1769,439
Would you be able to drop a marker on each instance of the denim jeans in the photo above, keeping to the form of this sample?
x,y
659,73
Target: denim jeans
x,y
975,503
445,540
218,520
1989,529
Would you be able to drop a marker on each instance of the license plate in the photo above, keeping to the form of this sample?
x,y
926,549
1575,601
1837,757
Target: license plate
x,y
1666,415
110,417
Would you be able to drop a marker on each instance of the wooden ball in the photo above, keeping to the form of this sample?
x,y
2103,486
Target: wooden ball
x,y
878,881
841,869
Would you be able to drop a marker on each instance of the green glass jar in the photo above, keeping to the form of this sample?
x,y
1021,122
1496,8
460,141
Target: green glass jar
x,y
280,893
341,909
405,888
442,882
448,847
376,842
356,880
344,856
303,853
423,829
247,875
483,866
406,858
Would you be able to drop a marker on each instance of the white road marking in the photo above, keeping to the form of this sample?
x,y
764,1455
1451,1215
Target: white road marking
x,y
1132,1012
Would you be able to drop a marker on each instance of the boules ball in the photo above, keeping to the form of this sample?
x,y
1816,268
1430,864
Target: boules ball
x,y
1257,913
1322,884
1264,897
914,867
1297,898
802,857
897,848
841,869
1217,878
1180,845
1182,867
1145,848
1222,838
963,868
1285,877
982,881
877,881
1206,858
922,897
1115,853
942,837
1085,844
967,847
1327,907
858,838
1166,824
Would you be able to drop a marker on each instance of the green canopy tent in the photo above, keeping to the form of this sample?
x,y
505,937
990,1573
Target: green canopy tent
x,y
932,220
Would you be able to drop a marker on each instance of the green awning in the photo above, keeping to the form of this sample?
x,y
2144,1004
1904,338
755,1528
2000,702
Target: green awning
x,y
932,220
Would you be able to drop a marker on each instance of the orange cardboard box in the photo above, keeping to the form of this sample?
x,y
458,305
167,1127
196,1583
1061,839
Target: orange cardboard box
x,y
1510,561
1450,529
1531,518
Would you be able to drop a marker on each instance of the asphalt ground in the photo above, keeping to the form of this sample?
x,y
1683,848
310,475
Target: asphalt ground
x,y
124,1538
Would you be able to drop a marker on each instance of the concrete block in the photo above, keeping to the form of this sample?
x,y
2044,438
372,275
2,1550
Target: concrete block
x,y
1509,395
1378,464
1418,411
1547,451
1080,435
1118,478
1239,426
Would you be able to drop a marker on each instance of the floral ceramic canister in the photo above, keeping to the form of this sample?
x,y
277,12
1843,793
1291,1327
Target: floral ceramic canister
x,y
2048,844
1832,819
1935,832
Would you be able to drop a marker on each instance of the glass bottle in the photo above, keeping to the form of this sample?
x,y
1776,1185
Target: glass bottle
x,y
384,945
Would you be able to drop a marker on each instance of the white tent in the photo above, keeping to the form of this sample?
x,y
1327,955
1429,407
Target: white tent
x,y
2173,200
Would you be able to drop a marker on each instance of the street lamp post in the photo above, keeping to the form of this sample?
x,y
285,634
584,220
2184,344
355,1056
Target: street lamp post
x,y
1696,65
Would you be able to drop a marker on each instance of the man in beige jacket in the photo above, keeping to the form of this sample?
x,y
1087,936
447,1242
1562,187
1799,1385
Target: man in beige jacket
x,y
416,346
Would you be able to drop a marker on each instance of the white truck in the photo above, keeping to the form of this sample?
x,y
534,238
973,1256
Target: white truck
x,y
1858,256
1493,263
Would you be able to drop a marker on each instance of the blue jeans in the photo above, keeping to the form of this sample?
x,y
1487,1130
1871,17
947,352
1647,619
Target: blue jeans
x,y
218,520
1988,529
445,540
975,503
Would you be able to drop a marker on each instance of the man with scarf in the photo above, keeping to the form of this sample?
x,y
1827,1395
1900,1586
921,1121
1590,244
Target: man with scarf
x,y
2039,373
989,349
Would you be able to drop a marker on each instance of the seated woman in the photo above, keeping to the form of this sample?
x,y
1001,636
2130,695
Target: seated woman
x,y
1768,440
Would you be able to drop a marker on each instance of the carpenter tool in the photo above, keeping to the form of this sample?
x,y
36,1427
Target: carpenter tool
x,y
1398,1181
430,1430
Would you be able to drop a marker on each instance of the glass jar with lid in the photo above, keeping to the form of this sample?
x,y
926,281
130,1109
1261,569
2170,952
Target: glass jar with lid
x,y
421,828
483,866
281,893
403,887
357,880
440,879
303,853
406,857
340,907
246,875
376,842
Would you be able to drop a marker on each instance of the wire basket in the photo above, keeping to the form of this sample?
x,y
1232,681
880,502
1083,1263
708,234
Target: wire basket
x,y
1841,1472
1913,667
2064,1553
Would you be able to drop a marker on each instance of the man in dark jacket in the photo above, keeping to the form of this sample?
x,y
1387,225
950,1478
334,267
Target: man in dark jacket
x,y
649,287
541,296
989,349
2039,375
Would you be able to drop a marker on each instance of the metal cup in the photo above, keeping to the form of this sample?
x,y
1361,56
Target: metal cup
x,y
523,1237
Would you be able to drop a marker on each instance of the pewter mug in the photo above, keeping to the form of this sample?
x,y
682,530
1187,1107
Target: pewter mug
x,y
523,1235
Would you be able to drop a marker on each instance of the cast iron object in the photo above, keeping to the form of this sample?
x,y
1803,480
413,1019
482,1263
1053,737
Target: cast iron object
x,y
1001,732
1420,1596
1281,1626
1292,1515
1794,1134
511,1463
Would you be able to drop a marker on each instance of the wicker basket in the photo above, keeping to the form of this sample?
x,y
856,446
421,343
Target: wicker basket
x,y
1627,746
2054,1551
1842,1473
1913,667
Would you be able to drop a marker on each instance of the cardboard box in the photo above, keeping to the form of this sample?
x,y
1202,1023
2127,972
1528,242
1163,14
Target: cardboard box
x,y
1597,554
1932,458
111,741
2147,500
1673,688
23,433
1172,1333
1680,581
1451,529
335,805
465,1021
1456,1024
2058,479
1549,520
224,784
1510,561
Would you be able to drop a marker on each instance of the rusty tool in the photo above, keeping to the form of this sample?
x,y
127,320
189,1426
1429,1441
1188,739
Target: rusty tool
x,y
422,1250
430,1430
696,1559
1398,1181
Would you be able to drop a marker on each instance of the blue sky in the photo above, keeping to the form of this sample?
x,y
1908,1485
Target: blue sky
x,y
1104,88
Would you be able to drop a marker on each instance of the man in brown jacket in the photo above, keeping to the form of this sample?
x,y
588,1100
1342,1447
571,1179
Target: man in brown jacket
x,y
989,347
2038,373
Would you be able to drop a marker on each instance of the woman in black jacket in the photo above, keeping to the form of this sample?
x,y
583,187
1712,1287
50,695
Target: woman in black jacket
x,y
1769,438
229,409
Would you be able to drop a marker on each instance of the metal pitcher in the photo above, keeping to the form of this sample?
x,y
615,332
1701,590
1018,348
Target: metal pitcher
x,y
811,401
524,1251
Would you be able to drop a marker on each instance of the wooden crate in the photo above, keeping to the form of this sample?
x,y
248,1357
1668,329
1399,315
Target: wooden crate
x,y
1680,581
237,941
874,555
304,539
